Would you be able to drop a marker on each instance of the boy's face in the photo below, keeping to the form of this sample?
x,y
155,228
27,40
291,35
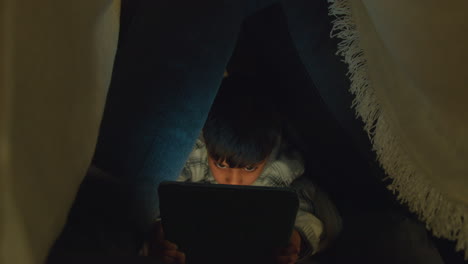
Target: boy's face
x,y
223,174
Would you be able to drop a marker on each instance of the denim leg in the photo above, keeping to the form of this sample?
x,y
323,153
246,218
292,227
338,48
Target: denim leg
x,y
169,64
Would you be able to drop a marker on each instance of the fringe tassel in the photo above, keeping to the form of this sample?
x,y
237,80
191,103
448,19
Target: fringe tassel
x,y
445,218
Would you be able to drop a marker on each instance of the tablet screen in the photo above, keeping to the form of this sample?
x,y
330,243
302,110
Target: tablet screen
x,y
226,218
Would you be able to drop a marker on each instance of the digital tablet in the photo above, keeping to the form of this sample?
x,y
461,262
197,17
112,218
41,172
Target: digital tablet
x,y
226,220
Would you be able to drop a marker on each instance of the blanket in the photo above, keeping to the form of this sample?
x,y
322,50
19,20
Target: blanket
x,y
407,66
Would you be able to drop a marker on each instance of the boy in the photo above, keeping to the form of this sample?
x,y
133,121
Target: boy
x,y
241,144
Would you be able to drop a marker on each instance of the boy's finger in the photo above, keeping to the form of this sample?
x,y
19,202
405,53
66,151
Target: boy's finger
x,y
168,245
171,253
158,231
294,258
291,250
175,256
168,260
286,251
180,257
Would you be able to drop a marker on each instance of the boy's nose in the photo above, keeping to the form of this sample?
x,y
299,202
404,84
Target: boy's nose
x,y
235,178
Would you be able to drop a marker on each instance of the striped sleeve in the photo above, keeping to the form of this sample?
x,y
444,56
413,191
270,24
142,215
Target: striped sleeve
x,y
196,167
317,220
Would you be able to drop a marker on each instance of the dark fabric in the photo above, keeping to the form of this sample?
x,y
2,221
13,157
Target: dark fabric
x,y
386,237
97,225
337,150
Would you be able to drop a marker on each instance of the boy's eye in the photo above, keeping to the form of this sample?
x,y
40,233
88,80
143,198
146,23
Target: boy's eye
x,y
250,168
219,165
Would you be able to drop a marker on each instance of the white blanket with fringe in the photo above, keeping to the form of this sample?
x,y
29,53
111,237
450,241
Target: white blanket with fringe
x,y
408,66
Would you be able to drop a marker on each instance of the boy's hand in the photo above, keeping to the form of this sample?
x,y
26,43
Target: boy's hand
x,y
289,254
166,251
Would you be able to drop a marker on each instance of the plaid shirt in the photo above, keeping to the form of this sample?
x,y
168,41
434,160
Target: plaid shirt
x,y
283,169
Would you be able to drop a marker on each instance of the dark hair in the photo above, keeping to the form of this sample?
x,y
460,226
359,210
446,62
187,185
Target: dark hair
x,y
243,125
